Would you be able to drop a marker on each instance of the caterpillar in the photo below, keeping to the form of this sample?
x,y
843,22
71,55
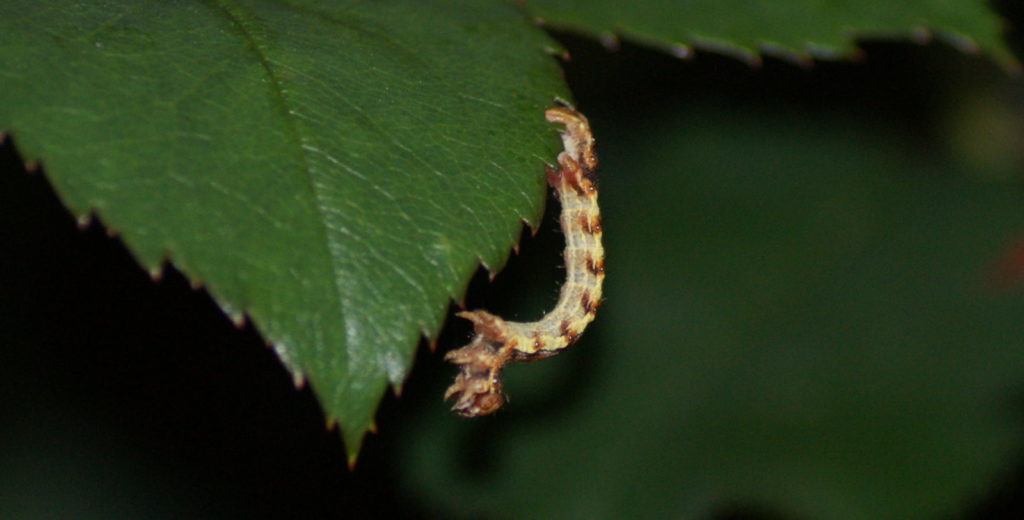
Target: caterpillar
x,y
496,342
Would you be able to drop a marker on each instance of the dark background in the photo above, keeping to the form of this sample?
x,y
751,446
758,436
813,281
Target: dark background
x,y
125,397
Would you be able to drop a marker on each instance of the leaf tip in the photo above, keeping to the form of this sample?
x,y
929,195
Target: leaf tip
x,y
84,220
857,55
238,319
802,59
681,51
741,53
459,300
921,35
610,41
534,227
33,166
353,439
491,271
559,53
285,355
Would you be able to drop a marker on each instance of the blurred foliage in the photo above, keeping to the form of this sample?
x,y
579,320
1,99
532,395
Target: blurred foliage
x,y
813,305
795,29
799,314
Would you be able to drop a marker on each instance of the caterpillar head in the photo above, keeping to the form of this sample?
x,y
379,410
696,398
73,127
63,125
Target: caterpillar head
x,y
477,389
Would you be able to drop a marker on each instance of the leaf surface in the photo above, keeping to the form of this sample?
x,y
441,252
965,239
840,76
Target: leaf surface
x,y
334,171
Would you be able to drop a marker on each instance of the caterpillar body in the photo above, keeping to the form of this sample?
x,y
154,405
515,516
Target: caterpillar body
x,y
478,388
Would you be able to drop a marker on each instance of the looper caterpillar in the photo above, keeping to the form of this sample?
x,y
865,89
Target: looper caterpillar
x,y
478,389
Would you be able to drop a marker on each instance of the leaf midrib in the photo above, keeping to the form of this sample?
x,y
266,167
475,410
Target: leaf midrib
x,y
295,140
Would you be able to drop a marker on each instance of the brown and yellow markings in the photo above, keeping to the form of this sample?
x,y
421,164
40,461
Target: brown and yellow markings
x,y
477,389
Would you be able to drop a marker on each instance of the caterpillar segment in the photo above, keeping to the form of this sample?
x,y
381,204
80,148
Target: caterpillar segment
x,y
477,389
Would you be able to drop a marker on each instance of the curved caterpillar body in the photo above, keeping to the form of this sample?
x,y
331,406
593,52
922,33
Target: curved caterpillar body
x,y
478,389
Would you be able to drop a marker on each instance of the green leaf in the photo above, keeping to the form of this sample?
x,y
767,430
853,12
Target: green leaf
x,y
794,29
798,318
334,171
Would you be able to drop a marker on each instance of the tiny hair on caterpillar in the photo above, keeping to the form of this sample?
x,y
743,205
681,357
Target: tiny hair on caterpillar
x,y
477,389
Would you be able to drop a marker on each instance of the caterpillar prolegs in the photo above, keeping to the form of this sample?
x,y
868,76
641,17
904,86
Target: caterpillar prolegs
x,y
478,389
